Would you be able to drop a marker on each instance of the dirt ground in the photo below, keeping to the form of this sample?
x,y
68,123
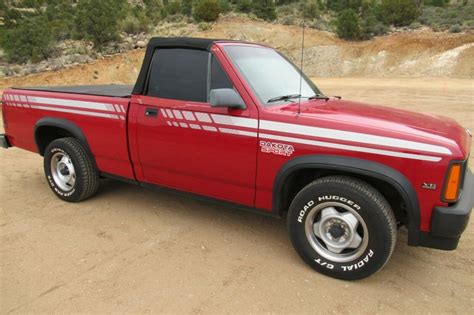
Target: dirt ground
x,y
133,250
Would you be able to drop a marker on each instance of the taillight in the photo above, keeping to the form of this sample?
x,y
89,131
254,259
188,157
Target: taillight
x,y
2,108
453,183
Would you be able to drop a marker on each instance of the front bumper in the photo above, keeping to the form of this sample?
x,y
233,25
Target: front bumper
x,y
4,142
448,223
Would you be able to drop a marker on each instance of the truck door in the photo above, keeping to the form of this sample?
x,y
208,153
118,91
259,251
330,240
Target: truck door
x,y
183,142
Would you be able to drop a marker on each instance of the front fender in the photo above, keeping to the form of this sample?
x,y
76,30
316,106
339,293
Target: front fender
x,y
355,166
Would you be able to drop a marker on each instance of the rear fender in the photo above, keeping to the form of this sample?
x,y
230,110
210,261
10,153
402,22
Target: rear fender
x,y
64,124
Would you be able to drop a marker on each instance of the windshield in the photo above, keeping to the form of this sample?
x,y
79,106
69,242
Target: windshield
x,y
270,75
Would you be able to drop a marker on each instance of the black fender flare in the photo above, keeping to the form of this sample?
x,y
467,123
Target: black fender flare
x,y
356,166
61,123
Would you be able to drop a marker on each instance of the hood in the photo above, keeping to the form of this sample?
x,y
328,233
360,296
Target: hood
x,y
385,121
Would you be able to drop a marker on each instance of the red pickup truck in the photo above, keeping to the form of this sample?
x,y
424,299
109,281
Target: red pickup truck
x,y
229,121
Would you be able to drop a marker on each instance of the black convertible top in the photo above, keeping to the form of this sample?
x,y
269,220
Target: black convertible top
x,y
168,42
126,90
184,42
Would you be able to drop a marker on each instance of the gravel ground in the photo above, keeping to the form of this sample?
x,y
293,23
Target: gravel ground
x,y
133,250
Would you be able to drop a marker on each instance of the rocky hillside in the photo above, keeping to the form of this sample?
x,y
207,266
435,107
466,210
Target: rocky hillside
x,y
404,54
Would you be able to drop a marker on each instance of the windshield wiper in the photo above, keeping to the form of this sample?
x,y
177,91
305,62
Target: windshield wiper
x,y
283,98
318,96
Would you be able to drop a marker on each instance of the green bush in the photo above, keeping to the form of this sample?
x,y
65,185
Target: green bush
x,y
244,6
206,10
225,6
436,3
455,29
264,9
340,5
371,27
60,20
28,41
154,10
173,8
187,7
311,10
398,12
348,25
99,21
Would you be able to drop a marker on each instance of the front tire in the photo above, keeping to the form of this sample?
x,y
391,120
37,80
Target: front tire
x,y
70,170
342,227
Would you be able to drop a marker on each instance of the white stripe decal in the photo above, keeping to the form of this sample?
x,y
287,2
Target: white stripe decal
x,y
238,132
209,128
72,103
74,111
183,125
163,112
235,121
189,116
351,136
203,117
177,114
123,108
170,113
194,126
353,148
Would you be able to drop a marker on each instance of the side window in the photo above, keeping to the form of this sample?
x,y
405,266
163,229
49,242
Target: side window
x,y
219,79
179,74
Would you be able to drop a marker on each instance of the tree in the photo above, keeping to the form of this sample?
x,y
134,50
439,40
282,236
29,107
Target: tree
x,y
99,21
244,6
348,25
28,40
340,5
264,9
187,7
206,10
399,12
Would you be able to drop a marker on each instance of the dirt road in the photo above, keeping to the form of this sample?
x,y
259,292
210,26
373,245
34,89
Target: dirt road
x,y
133,250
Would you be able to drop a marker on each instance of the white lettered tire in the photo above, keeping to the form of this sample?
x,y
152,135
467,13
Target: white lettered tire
x,y
342,227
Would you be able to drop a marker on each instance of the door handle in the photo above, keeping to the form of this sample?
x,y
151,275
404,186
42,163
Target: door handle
x,y
151,112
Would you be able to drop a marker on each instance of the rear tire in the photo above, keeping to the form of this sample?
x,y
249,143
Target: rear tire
x,y
342,227
70,170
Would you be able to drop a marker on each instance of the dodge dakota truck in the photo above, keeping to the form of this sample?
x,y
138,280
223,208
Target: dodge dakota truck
x,y
238,123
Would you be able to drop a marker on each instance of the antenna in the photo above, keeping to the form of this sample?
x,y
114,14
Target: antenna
x,y
302,57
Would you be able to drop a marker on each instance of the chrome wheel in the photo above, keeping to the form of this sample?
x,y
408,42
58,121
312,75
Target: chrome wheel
x,y
336,231
63,172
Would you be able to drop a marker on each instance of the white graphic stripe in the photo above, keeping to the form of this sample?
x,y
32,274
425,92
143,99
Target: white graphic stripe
x,y
189,116
72,103
235,121
203,117
209,128
351,136
177,114
353,148
74,111
163,112
194,126
238,132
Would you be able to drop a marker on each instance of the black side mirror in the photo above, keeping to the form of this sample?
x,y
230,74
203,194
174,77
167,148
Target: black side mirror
x,y
226,98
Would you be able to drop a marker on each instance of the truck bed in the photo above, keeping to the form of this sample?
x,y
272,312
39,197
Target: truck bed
x,y
112,90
